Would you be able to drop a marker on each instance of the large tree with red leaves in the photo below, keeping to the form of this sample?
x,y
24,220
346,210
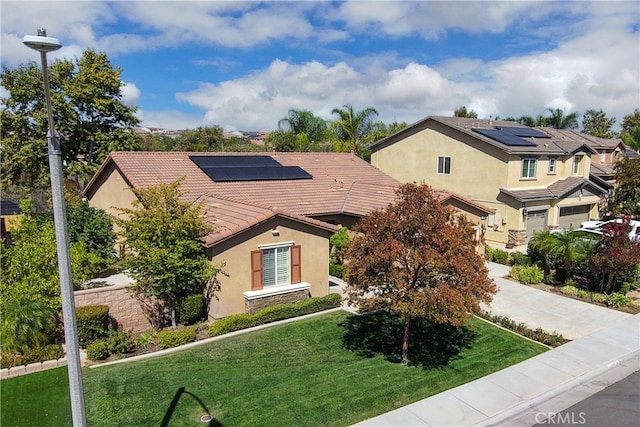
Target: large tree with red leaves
x,y
417,259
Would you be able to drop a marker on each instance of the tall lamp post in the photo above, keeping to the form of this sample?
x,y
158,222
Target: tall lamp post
x,y
44,44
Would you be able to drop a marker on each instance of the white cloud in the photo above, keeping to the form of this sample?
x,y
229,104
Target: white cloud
x,y
130,94
169,119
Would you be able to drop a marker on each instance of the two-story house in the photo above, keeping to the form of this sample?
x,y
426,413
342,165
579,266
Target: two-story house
x,y
534,178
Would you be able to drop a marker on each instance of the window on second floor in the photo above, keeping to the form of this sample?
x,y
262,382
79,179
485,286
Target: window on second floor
x,y
444,165
528,169
577,164
552,166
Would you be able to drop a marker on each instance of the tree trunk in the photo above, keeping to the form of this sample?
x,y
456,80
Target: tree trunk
x,y
405,341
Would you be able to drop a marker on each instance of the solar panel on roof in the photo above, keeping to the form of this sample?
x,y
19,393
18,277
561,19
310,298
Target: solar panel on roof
x,y
233,161
523,131
506,138
247,168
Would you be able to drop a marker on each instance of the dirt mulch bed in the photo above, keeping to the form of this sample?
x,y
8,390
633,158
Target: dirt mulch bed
x,y
633,308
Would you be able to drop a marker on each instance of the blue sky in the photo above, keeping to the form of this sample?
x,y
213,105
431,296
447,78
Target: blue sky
x,y
242,65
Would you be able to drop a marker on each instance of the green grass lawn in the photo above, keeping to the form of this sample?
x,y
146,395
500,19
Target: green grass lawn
x,y
330,370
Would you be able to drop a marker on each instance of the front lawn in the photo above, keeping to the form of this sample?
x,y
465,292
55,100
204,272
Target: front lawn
x,y
319,371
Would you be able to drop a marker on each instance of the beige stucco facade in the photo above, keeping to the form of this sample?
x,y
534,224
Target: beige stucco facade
x,y
480,171
235,253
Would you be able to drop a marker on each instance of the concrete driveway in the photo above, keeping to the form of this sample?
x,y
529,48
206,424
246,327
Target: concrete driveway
x,y
539,309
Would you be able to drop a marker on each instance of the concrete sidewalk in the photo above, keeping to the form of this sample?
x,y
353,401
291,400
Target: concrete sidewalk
x,y
606,349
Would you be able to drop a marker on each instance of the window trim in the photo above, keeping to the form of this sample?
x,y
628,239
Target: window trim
x,y
535,168
444,165
276,290
295,265
577,162
553,170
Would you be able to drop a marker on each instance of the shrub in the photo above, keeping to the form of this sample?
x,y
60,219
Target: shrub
x,y
119,341
518,258
42,354
527,274
25,323
617,300
336,270
93,323
551,339
144,340
240,321
177,337
98,350
191,309
500,256
232,323
488,252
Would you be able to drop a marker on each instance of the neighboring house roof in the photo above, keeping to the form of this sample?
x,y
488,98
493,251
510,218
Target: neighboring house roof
x,y
444,196
328,192
8,207
632,154
545,140
557,190
602,170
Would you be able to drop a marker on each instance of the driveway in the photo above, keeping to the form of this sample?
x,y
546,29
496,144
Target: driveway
x,y
539,309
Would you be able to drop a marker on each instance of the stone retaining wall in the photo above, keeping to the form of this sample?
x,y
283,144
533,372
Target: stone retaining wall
x,y
123,306
254,305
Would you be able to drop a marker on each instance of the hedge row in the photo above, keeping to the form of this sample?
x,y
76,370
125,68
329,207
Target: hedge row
x,y
93,323
240,321
32,355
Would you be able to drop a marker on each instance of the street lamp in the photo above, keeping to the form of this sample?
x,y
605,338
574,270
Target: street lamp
x,y
44,44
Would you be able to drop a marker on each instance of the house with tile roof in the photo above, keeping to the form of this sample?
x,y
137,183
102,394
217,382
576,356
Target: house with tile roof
x,y
534,178
273,213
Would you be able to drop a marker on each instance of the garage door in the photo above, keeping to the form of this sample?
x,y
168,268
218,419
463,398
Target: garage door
x,y
536,221
571,217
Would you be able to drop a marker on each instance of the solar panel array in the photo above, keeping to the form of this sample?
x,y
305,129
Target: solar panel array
x,y
247,168
513,136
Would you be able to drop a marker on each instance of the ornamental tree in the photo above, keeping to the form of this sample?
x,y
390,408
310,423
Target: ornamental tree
x,y
166,256
417,259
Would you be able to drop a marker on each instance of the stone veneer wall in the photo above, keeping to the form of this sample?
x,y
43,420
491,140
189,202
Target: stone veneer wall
x,y
517,237
123,306
254,305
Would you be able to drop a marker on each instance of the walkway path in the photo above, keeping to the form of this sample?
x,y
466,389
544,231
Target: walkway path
x,y
606,349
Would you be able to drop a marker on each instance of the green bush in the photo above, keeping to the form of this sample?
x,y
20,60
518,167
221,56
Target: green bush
x,y
42,354
488,252
240,321
336,270
177,337
232,323
500,256
617,300
612,300
98,350
145,339
93,323
119,341
25,323
518,258
32,355
191,309
527,274
551,339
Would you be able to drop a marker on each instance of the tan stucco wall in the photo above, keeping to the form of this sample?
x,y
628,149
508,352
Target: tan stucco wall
x,y
236,252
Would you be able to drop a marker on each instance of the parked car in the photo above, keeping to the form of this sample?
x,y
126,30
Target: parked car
x,y
592,226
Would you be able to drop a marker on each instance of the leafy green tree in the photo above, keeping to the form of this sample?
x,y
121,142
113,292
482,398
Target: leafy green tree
x,y
625,199
597,123
283,141
93,227
30,267
338,246
89,116
382,130
353,128
557,119
209,138
163,233
416,259
630,133
463,112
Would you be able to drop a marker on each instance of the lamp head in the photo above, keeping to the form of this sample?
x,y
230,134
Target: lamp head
x,y
41,42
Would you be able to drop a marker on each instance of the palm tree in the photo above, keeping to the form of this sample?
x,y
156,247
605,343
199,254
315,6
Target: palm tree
x,y
352,127
543,242
558,120
304,122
